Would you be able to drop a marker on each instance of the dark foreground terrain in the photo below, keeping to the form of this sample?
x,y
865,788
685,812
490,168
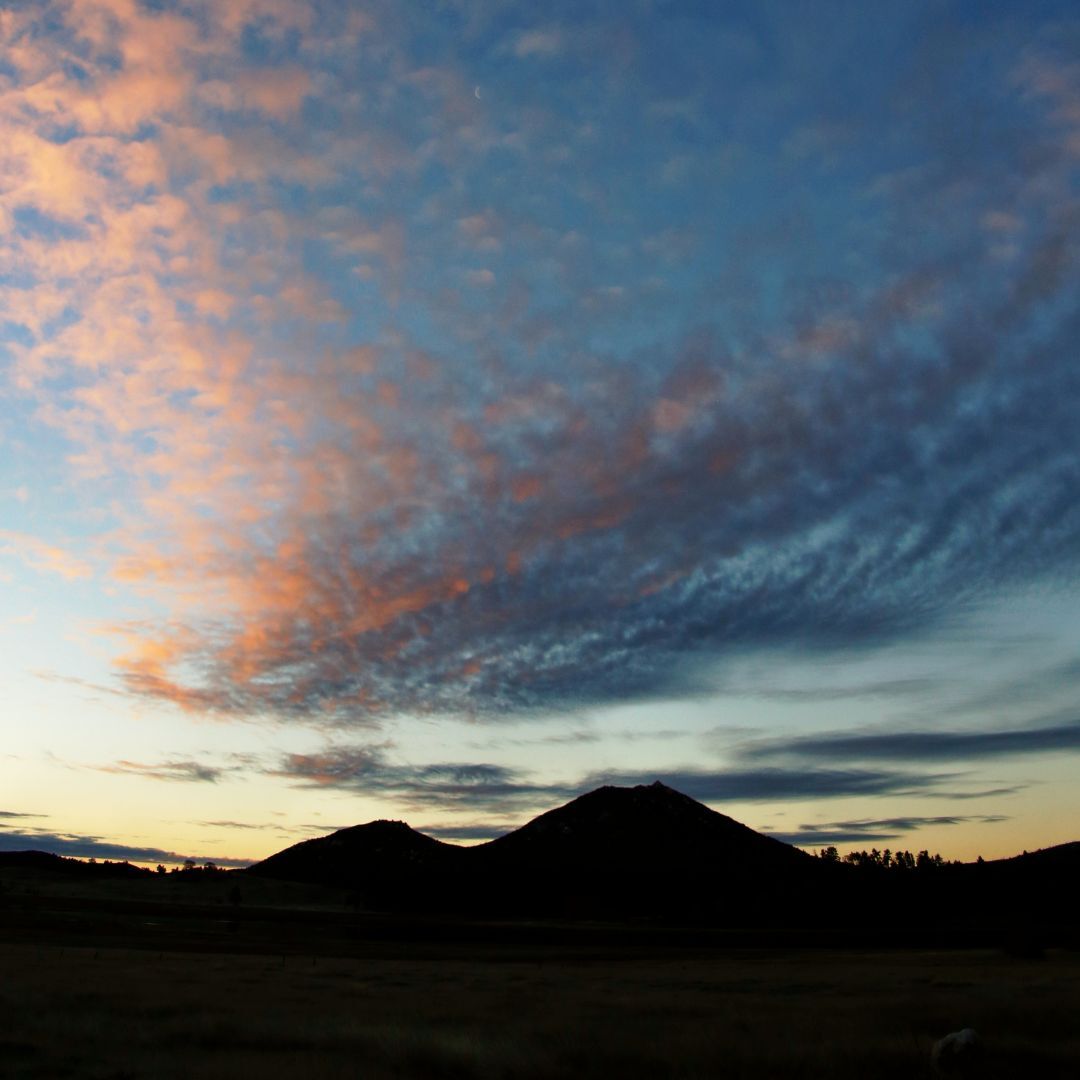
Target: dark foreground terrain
x,y
432,1010
167,978
632,934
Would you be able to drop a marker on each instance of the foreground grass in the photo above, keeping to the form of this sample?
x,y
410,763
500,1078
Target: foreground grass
x,y
454,1013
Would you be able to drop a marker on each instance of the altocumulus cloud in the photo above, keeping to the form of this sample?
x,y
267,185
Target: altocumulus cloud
x,y
515,499
438,785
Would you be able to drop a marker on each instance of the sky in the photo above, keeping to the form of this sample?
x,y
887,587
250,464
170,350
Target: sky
x,y
433,411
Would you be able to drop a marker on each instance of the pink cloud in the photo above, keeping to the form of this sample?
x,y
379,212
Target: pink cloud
x,y
42,556
277,93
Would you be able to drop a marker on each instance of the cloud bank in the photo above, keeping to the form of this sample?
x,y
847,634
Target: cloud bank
x,y
384,430
935,746
77,846
873,831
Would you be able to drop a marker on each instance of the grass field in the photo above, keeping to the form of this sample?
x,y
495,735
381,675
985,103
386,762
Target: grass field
x,y
458,1011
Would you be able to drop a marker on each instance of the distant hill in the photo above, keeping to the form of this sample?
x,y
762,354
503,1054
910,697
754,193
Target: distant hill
x,y
370,854
60,865
1045,860
1039,885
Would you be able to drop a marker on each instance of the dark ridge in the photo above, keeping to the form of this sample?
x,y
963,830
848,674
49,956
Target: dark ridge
x,y
650,851
60,864
1061,855
655,853
387,863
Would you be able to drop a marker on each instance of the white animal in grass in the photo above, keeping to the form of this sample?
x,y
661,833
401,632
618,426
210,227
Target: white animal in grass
x,y
958,1054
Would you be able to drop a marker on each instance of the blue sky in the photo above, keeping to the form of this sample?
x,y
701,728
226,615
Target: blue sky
x,y
432,411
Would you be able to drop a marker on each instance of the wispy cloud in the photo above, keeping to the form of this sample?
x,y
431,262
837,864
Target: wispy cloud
x,y
874,830
880,688
41,555
781,784
498,789
180,771
928,745
96,847
538,43
446,786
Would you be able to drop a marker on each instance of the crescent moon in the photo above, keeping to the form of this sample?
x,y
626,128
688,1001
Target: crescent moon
x,y
476,92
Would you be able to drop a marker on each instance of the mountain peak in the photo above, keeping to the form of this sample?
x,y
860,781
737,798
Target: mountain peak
x,y
649,824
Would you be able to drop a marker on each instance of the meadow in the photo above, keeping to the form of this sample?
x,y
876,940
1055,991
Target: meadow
x,y
463,1010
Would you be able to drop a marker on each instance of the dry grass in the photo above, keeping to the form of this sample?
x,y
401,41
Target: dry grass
x,y
499,1011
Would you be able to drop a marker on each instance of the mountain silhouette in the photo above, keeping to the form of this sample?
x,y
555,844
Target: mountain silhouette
x,y
623,854
616,851
650,851
615,828
378,852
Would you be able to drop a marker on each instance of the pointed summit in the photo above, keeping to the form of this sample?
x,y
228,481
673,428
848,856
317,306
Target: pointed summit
x,y
651,824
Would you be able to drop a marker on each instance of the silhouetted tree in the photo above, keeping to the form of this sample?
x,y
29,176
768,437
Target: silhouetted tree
x,y
894,861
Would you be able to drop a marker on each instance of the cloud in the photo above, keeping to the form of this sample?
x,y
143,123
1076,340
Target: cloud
x,y
10,814
95,847
873,830
586,736
612,475
479,786
778,784
926,745
887,688
611,575
985,793
368,769
538,42
1039,683
42,556
181,771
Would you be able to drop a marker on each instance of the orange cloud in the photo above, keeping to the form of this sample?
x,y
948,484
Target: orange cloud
x,y
276,92
42,556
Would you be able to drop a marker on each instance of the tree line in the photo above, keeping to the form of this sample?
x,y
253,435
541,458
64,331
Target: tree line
x,y
895,861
